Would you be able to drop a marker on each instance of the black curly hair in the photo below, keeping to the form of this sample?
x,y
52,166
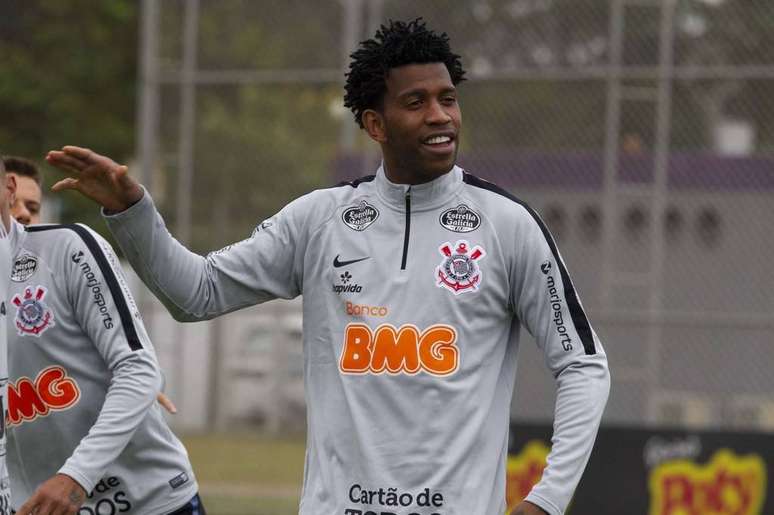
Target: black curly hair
x,y
394,45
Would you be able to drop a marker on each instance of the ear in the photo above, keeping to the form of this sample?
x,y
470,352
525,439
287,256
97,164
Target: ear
x,y
10,186
374,124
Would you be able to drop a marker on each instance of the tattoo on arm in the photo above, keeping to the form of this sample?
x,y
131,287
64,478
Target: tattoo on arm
x,y
76,497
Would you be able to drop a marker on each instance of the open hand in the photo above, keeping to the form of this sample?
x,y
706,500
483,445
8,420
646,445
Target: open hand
x,y
97,177
60,495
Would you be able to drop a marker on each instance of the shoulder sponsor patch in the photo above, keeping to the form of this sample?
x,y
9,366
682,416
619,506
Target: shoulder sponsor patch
x,y
460,219
360,217
179,480
33,316
459,271
24,267
263,226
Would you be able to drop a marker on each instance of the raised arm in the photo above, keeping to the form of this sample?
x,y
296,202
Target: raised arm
x,y
264,266
95,176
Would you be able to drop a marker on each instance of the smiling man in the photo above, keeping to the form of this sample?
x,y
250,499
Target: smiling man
x,y
415,283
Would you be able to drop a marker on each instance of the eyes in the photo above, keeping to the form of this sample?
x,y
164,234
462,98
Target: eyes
x,y
416,103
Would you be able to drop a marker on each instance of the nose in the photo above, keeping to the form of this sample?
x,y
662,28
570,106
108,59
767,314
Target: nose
x,y
22,215
436,114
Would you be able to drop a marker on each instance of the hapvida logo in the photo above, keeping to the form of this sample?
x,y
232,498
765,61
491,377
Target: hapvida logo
x,y
52,390
346,286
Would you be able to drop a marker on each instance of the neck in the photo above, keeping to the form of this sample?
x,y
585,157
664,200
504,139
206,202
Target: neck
x,y
399,173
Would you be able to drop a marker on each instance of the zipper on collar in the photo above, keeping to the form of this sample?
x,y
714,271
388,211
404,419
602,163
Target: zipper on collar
x,y
408,229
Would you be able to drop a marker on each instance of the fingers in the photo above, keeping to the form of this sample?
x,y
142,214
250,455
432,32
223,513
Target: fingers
x,y
78,152
28,508
167,403
42,505
78,160
65,184
61,160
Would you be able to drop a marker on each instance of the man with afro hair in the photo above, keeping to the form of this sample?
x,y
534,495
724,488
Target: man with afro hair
x,y
416,281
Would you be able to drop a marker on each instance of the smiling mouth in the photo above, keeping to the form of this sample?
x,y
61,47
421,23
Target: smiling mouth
x,y
438,141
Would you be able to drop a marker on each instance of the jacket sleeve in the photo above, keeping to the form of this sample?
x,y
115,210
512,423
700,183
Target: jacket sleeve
x,y
548,306
108,315
266,265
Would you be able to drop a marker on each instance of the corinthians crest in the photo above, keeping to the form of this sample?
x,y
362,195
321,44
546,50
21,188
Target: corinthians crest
x,y
33,316
459,271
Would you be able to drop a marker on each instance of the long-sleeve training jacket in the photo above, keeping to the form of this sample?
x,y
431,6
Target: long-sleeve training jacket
x,y
5,278
412,301
84,378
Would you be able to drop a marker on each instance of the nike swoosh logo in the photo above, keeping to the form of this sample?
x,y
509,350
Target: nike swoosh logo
x,y
337,263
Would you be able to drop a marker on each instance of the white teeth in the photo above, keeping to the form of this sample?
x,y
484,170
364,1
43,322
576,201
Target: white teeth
x,y
439,139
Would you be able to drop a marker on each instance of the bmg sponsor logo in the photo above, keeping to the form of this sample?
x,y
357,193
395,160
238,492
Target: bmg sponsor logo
x,y
52,390
399,350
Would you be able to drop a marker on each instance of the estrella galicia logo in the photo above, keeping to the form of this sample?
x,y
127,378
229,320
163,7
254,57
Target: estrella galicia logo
x,y
360,217
24,268
545,267
460,219
346,284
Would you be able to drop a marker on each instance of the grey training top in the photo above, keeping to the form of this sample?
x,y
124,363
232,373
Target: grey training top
x,y
84,378
5,267
412,301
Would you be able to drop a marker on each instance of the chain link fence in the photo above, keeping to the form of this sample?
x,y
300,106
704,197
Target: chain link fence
x,y
642,131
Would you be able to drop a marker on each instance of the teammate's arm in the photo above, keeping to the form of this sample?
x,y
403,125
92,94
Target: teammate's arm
x,y
546,302
59,495
108,315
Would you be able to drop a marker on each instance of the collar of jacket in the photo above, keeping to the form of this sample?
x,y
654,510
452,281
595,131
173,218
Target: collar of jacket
x,y
16,235
429,195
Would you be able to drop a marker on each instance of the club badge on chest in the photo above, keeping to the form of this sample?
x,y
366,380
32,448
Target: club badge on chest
x,y
33,316
459,271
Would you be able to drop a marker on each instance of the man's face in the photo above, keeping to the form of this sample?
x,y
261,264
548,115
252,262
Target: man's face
x,y
421,122
26,208
7,190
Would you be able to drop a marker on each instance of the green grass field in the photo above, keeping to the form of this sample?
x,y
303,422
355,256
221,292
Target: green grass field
x,y
244,474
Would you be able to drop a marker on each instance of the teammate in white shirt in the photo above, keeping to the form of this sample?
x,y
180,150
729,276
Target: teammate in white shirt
x,y
7,189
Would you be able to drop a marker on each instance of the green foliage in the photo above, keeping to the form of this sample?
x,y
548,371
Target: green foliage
x,y
68,76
